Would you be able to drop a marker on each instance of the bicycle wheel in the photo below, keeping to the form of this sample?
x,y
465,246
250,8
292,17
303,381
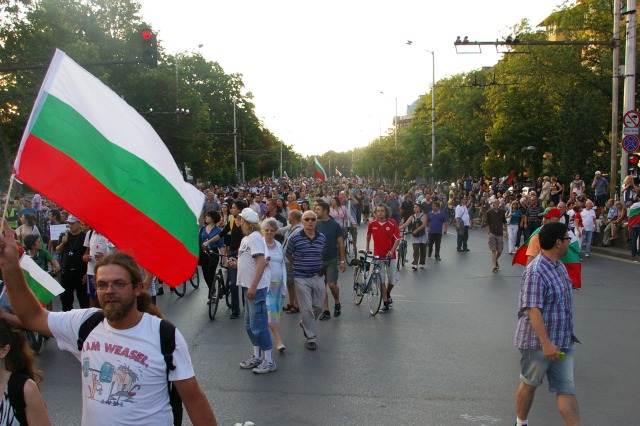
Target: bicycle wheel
x,y
404,252
398,260
227,292
34,339
214,298
180,289
349,251
358,285
195,278
374,295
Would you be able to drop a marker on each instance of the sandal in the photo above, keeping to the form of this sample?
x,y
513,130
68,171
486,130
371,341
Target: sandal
x,y
287,308
495,269
293,310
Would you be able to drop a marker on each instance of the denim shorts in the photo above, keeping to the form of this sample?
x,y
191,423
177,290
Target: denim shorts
x,y
534,366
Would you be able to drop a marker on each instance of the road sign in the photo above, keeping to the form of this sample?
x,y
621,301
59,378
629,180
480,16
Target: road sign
x,y
630,143
631,119
631,131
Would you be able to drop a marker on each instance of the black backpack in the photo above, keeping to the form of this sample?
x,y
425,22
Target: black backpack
x,y
167,346
15,389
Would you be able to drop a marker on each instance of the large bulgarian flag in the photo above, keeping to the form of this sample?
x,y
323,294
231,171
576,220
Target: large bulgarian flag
x,y
634,215
320,173
94,155
43,285
571,260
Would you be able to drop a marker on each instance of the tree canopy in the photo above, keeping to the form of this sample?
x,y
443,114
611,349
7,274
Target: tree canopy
x,y
91,31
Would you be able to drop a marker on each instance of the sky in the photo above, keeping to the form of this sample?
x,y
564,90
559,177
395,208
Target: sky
x,y
327,76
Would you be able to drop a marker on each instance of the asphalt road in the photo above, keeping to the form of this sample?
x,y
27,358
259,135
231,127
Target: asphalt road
x,y
443,356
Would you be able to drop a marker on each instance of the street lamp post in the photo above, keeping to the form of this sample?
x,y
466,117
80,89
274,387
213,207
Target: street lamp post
x,y
433,105
235,139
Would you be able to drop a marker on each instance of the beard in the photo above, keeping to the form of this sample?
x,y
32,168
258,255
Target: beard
x,y
118,310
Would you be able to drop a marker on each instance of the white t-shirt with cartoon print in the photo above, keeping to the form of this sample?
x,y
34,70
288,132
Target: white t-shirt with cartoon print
x,y
124,378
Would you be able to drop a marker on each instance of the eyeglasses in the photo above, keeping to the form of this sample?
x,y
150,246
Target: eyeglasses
x,y
565,238
118,285
309,219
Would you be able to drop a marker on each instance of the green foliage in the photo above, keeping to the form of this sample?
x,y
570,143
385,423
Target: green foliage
x,y
108,30
556,98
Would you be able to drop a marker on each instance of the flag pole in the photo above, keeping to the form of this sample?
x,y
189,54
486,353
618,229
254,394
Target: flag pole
x,y
6,203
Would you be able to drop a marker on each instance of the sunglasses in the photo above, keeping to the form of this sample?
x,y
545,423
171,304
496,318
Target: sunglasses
x,y
310,219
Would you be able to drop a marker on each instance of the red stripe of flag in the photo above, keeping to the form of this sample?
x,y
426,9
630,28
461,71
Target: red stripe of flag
x,y
79,192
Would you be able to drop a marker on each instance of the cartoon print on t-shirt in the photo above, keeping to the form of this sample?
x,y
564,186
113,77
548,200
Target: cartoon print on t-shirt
x,y
120,382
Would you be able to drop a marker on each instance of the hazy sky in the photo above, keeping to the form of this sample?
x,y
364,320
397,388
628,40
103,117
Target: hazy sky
x,y
317,70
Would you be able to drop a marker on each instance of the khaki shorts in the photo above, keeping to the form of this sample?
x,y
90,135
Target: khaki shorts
x,y
495,242
330,271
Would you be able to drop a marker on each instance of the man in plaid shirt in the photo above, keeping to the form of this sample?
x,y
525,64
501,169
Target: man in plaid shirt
x,y
545,327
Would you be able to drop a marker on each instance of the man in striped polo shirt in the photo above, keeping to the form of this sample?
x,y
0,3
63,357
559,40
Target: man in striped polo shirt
x,y
304,251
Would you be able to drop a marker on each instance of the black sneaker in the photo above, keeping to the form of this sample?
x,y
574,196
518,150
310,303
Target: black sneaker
x,y
389,301
459,249
385,308
430,253
325,316
160,291
336,310
466,249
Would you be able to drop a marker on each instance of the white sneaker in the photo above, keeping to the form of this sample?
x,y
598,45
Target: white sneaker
x,y
265,367
251,363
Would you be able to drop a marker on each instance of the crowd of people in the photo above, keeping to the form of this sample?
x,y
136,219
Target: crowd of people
x,y
286,240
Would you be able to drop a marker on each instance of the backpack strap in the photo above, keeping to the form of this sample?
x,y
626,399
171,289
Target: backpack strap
x,y
167,346
15,389
87,327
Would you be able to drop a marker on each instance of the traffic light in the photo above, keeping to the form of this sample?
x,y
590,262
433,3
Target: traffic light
x,y
149,48
633,163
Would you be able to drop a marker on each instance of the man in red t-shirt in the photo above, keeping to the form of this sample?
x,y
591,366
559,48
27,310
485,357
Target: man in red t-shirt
x,y
386,237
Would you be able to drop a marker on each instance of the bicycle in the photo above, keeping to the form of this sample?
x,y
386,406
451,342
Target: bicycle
x,y
402,250
219,289
349,248
367,279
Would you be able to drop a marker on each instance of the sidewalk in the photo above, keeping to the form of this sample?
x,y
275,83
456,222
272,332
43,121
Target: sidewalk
x,y
614,252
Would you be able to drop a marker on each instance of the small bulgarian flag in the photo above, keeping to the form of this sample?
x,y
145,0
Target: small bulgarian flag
x,y
320,173
634,215
43,285
571,260
338,172
109,167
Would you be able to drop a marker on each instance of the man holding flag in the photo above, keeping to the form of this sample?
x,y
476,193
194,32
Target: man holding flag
x,y
126,335
544,333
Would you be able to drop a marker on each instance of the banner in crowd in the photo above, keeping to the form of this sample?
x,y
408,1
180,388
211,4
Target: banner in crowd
x,y
94,155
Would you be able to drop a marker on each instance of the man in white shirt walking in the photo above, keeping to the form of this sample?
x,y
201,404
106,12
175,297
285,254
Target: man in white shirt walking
x,y
462,225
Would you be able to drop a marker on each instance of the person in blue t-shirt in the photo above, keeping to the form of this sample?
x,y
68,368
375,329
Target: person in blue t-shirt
x,y
438,225
210,247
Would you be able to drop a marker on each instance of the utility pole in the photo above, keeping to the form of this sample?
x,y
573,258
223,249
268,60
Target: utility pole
x,y
629,73
614,99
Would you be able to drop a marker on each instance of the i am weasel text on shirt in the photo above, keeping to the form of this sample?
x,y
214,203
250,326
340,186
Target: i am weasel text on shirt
x,y
134,355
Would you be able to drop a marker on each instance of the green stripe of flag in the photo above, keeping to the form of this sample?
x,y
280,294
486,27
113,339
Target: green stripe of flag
x,y
125,174
43,285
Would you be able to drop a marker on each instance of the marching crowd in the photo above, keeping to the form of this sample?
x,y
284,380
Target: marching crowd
x,y
277,239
